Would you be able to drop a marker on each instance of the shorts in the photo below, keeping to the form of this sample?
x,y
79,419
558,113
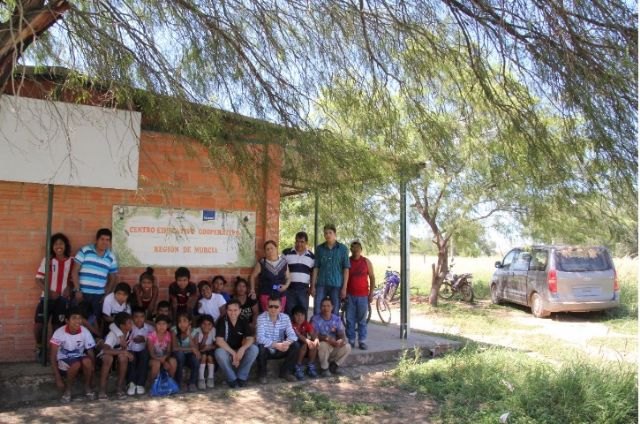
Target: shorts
x,y
65,364
57,311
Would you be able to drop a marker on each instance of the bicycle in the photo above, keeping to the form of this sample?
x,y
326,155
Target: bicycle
x,y
383,295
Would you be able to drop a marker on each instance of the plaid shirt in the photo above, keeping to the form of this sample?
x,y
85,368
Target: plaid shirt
x,y
269,332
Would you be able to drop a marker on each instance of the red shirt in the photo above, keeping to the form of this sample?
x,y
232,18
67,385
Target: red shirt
x,y
358,284
305,328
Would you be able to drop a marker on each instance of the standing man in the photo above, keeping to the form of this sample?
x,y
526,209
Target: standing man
x,y
95,271
276,339
331,272
360,288
301,262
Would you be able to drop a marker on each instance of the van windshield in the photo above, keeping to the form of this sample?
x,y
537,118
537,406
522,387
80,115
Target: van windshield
x,y
577,259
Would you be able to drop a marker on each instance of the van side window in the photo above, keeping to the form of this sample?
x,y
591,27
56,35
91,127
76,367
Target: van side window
x,y
522,262
538,260
506,262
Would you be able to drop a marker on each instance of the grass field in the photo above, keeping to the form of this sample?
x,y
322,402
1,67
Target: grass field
x,y
539,378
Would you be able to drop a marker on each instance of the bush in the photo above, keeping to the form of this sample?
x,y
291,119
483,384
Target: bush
x,y
478,385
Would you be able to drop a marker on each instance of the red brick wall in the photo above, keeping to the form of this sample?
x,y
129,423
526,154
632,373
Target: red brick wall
x,y
173,172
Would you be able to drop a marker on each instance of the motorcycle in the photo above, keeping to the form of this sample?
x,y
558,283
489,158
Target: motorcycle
x,y
456,283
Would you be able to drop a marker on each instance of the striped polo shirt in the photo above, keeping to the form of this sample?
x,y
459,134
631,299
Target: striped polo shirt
x,y
300,265
95,269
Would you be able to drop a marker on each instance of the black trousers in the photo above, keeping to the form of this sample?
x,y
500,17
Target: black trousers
x,y
289,363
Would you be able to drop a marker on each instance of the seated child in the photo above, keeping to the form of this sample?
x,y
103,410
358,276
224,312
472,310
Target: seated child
x,y
308,343
145,293
185,350
72,351
139,366
114,303
205,337
159,345
163,309
115,347
60,265
218,283
211,303
183,293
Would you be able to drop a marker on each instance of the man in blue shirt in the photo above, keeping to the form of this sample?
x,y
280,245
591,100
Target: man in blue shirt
x,y
331,272
95,271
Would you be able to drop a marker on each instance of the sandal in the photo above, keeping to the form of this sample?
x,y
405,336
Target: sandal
x,y
120,394
103,396
90,395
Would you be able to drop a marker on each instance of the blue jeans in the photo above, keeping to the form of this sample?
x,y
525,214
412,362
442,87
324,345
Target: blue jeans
x,y
223,359
324,291
357,311
191,361
298,295
138,368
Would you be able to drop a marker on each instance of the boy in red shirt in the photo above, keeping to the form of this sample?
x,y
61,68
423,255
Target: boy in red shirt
x,y
308,343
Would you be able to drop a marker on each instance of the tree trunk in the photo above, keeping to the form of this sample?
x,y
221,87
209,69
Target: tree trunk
x,y
440,270
28,21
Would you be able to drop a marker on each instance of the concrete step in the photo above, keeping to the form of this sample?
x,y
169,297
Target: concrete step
x,y
28,383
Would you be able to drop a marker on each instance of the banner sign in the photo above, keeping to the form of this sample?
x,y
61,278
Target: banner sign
x,y
166,237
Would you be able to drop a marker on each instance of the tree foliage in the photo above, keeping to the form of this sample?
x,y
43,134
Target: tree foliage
x,y
274,59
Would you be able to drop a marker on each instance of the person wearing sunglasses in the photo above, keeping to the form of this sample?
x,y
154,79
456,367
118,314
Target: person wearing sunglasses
x,y
276,340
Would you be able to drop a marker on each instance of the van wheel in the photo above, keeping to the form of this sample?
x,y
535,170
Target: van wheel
x,y
536,307
495,298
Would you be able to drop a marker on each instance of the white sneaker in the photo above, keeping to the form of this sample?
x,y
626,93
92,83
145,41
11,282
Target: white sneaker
x,y
210,383
140,390
131,389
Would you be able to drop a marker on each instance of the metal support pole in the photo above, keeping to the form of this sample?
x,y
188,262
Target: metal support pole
x,y
315,221
404,262
47,277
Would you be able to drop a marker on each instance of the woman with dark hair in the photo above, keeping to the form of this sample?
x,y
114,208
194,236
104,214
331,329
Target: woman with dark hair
x,y
271,273
60,266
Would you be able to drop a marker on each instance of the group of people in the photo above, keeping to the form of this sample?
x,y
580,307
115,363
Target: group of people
x,y
98,322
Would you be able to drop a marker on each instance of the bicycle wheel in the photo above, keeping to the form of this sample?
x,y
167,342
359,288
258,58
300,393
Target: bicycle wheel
x,y
384,311
467,292
446,291
392,292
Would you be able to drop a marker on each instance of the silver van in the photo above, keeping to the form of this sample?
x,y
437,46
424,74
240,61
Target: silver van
x,y
557,279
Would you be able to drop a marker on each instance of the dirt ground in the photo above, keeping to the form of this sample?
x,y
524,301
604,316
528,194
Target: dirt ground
x,y
363,395
368,386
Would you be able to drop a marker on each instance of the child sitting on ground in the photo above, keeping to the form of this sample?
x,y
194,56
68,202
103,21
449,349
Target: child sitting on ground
x,y
205,337
115,347
71,351
163,309
139,366
114,303
211,303
308,344
185,350
159,344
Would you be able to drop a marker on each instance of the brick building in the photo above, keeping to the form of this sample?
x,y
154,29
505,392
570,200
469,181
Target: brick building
x,y
174,171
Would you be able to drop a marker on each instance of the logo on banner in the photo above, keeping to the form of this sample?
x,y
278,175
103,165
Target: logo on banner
x,y
208,215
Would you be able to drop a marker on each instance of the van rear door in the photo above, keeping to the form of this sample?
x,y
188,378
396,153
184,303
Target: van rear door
x,y
585,274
